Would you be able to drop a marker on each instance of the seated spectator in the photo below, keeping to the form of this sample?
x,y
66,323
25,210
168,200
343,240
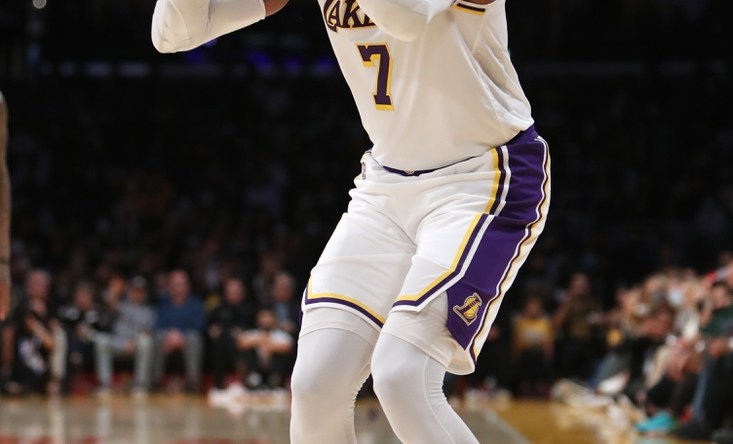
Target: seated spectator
x,y
81,321
181,319
33,355
130,337
713,397
533,348
233,315
267,351
576,322
285,306
637,361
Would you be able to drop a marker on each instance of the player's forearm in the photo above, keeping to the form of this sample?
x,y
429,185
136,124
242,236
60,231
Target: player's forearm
x,y
403,19
180,25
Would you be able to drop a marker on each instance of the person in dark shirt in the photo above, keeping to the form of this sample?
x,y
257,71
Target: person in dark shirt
x,y
234,314
181,319
267,351
713,399
81,320
285,306
30,341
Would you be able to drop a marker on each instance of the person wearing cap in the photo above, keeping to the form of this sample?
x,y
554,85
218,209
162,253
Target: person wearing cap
x,y
130,337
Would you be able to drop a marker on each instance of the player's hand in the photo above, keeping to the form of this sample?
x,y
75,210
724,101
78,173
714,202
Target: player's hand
x,y
273,6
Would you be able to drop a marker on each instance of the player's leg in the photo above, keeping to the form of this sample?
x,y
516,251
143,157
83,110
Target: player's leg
x,y
350,292
325,386
468,254
409,381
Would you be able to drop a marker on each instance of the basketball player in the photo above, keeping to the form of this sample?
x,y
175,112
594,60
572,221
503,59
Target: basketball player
x,y
450,200
4,214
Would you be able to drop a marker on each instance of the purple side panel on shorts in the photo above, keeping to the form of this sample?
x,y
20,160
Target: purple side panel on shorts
x,y
499,246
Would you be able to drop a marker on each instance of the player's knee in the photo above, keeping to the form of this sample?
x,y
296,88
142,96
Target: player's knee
x,y
393,377
309,383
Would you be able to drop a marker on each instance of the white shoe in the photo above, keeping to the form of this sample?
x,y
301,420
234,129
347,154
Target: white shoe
x,y
613,385
217,397
234,394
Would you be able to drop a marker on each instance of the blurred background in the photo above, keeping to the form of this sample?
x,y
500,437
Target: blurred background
x,y
231,163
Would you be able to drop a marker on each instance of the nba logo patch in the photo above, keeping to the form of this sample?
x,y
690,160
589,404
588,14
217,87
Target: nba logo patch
x,y
363,170
469,310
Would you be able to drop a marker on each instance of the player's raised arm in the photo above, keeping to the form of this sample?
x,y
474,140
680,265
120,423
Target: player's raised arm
x,y
403,19
180,25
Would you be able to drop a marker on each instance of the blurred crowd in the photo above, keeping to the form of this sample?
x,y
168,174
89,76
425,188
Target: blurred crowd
x,y
166,337
154,329
664,351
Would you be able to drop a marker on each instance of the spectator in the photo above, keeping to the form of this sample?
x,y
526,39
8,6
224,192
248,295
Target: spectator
x,y
81,321
267,351
575,320
533,348
33,344
130,337
713,397
270,264
181,319
284,305
234,314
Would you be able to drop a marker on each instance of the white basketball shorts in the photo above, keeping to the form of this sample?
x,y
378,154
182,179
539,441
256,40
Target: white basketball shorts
x,y
432,253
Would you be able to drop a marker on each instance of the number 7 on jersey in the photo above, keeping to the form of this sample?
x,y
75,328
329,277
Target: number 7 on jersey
x,y
379,53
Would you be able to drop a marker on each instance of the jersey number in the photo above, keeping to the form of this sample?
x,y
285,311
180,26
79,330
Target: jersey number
x,y
379,53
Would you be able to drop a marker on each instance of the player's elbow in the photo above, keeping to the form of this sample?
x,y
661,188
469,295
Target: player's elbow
x,y
162,43
163,34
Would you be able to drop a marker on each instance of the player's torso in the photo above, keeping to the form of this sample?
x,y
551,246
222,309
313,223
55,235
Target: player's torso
x,y
449,95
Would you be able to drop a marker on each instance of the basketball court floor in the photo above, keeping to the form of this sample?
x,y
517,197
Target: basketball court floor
x,y
190,420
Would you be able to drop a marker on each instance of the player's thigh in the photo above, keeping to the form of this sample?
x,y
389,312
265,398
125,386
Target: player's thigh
x,y
360,271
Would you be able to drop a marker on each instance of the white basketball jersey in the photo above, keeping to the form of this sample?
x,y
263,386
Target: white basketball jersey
x,y
449,95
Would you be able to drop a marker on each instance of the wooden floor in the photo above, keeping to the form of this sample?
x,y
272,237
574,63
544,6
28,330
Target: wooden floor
x,y
189,420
